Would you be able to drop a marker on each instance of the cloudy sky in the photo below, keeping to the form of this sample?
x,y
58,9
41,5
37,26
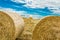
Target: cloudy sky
x,y
36,8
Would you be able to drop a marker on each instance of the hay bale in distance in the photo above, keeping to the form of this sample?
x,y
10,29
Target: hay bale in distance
x,y
47,29
11,25
28,28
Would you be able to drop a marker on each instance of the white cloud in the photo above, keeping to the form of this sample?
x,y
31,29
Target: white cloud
x,y
36,16
51,4
13,11
22,13
18,1
33,16
56,11
40,3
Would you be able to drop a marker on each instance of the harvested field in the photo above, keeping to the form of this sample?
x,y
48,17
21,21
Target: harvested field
x,y
12,27
28,29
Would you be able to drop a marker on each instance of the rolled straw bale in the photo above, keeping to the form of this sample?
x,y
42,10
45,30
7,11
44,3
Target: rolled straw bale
x,y
11,25
47,29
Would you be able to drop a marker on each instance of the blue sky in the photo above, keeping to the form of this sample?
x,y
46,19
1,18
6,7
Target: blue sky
x,y
38,8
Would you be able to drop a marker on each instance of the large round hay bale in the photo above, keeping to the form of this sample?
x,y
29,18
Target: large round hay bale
x,y
11,25
47,29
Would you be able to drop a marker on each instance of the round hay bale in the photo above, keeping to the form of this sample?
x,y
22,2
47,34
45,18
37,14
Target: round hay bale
x,y
11,25
47,29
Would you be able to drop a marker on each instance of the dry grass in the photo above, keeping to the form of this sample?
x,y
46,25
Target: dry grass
x,y
28,29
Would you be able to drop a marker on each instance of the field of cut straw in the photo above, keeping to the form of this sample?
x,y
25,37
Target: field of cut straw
x,y
15,27
28,28
47,28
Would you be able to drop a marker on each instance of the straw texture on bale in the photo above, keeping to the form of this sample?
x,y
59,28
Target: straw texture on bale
x,y
47,29
11,25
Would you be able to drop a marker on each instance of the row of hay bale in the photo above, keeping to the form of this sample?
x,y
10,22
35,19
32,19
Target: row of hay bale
x,y
48,28
14,27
